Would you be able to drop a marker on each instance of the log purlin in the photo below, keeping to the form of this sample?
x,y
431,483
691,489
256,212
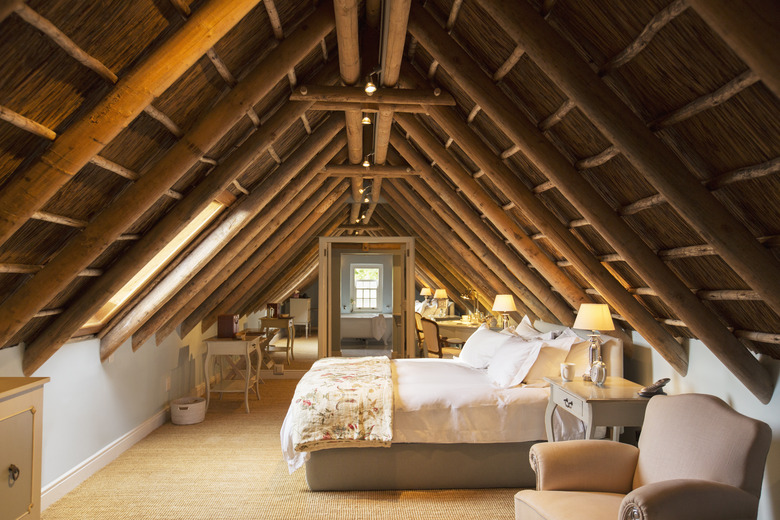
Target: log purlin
x,y
658,164
236,253
483,91
582,195
87,136
132,202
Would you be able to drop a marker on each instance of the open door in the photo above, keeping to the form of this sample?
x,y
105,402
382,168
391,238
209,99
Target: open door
x,y
368,289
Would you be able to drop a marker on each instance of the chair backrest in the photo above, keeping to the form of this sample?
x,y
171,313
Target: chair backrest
x,y
418,321
431,336
697,436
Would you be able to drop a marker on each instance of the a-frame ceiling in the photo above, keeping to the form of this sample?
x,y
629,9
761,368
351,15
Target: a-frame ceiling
x,y
561,151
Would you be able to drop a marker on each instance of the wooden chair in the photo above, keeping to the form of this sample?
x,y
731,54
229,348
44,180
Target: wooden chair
x,y
420,336
432,341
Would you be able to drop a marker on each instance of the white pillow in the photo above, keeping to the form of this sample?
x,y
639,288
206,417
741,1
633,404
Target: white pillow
x,y
552,354
512,361
480,347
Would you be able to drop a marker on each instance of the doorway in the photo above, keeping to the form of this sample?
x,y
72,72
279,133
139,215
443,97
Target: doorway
x,y
366,296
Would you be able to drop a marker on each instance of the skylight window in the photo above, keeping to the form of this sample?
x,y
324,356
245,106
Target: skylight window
x,y
155,265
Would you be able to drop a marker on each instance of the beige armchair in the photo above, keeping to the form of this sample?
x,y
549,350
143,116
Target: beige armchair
x,y
697,458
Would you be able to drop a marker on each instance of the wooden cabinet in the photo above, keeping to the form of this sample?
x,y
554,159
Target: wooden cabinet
x,y
300,310
21,413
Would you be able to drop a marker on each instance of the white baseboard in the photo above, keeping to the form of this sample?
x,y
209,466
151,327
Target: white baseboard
x,y
68,482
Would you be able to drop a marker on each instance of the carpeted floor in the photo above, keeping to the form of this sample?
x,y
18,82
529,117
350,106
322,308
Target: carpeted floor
x,y
230,467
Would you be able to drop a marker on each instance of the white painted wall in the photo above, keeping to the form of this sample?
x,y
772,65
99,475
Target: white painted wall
x,y
709,376
89,405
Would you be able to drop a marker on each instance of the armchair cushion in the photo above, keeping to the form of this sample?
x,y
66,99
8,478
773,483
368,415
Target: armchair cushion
x,y
584,465
682,499
566,505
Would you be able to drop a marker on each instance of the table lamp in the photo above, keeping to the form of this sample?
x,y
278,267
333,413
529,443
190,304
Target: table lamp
x,y
426,292
439,295
596,317
504,303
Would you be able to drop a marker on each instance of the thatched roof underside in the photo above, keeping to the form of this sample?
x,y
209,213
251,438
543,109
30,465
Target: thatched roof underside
x,y
562,151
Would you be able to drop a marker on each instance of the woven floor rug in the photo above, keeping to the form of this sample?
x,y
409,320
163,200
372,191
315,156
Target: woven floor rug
x,y
230,467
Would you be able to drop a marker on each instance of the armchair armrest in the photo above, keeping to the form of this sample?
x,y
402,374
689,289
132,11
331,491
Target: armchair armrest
x,y
682,499
584,465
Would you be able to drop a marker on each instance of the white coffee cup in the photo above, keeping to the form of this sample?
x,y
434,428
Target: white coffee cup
x,y
567,371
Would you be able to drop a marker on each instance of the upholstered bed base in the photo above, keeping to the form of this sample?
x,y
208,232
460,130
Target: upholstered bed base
x,y
422,466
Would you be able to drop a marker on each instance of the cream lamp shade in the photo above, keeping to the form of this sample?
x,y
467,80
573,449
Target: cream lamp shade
x,y
594,316
504,303
425,291
440,294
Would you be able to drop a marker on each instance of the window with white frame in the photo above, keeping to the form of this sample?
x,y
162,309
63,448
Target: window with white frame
x,y
366,285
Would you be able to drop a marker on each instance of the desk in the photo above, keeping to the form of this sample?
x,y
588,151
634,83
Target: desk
x,y
614,404
250,373
458,329
280,323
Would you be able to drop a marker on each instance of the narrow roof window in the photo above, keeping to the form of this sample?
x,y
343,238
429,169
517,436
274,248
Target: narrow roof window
x,y
155,265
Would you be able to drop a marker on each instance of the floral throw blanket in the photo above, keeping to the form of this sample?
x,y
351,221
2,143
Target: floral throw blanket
x,y
344,402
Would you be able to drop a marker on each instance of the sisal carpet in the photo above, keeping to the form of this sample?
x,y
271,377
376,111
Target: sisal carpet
x,y
230,467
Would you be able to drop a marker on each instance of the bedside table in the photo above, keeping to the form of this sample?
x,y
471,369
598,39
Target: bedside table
x,y
614,404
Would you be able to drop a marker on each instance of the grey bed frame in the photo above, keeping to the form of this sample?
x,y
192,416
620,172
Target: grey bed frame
x,y
422,466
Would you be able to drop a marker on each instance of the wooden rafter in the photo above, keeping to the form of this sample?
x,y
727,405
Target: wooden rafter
x,y
750,28
132,202
85,138
659,165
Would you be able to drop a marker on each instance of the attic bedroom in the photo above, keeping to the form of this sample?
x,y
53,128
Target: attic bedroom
x,y
435,199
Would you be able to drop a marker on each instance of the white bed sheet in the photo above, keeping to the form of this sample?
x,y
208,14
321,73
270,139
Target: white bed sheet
x,y
444,401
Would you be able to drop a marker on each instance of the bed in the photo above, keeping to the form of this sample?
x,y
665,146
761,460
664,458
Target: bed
x,y
454,424
366,326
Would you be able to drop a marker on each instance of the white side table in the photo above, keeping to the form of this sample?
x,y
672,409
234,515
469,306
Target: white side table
x,y
250,373
280,323
614,404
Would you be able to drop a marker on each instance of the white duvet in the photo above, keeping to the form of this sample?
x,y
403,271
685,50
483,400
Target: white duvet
x,y
446,401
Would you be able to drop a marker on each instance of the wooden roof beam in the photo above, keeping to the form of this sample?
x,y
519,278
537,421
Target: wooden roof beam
x,y
438,269
456,254
549,160
231,257
348,40
66,44
181,278
57,333
656,23
136,199
751,30
582,195
289,235
318,193
375,170
26,124
392,49
508,228
492,258
25,193
383,96
659,165
537,289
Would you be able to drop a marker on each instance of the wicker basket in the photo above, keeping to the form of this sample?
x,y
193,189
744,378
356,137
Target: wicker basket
x,y
188,410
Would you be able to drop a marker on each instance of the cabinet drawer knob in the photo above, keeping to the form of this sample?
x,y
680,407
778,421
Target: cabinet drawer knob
x,y
567,402
13,474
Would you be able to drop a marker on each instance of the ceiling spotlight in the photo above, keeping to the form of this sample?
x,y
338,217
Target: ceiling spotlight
x,y
370,88
365,120
361,190
366,164
365,200
363,217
